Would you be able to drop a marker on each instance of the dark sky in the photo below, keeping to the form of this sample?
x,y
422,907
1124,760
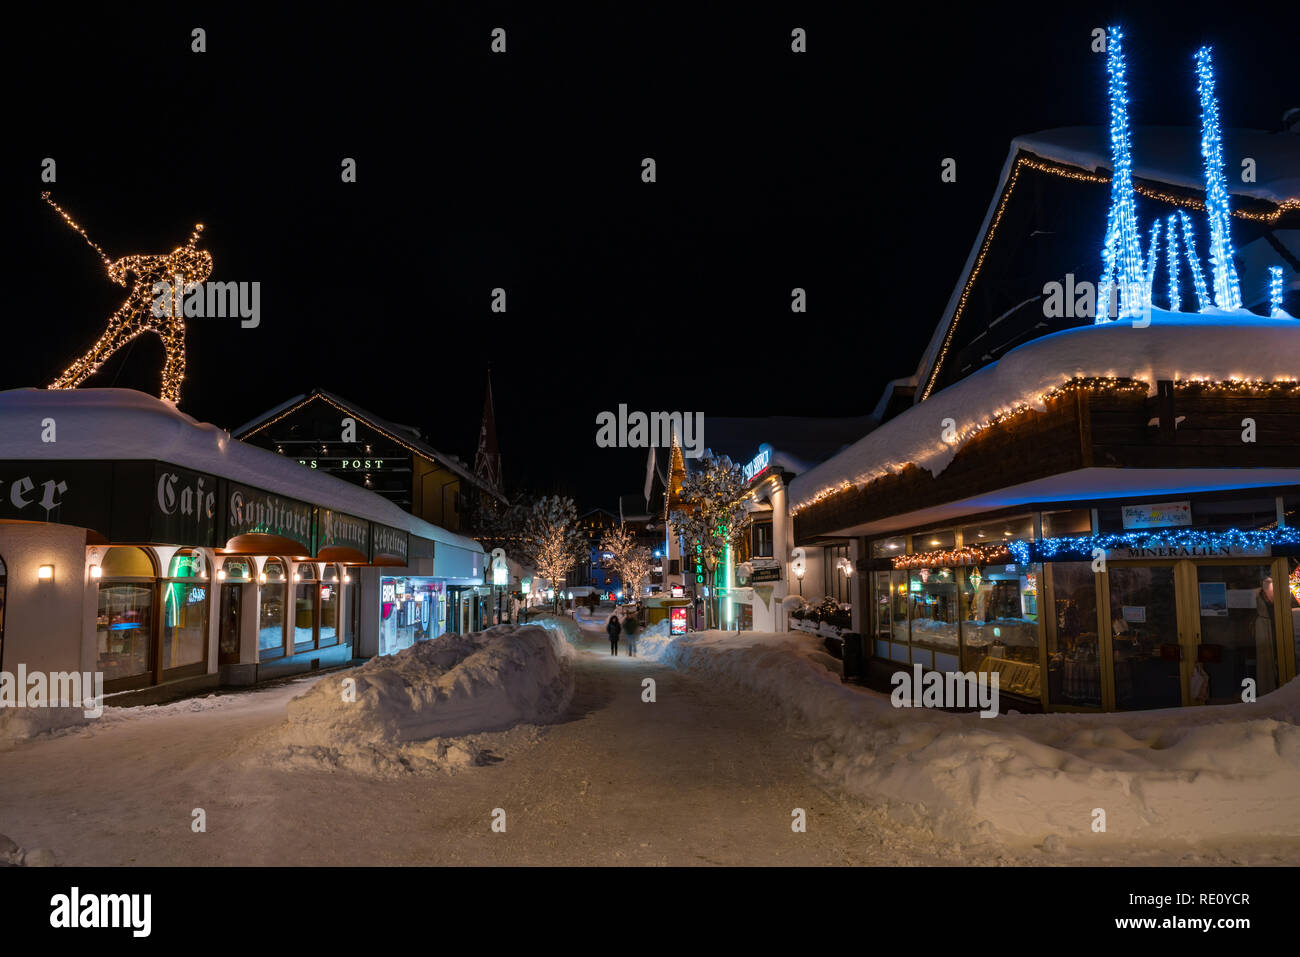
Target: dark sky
x,y
522,171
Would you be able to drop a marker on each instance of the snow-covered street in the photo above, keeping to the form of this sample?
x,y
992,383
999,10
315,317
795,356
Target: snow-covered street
x,y
707,774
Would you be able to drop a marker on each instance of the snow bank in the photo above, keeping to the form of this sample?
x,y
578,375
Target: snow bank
x,y
1210,774
19,724
428,706
560,624
1214,346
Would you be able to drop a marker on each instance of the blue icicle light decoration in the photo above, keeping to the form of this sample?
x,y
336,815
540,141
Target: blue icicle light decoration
x,y
1171,244
1122,253
1153,257
1227,291
1275,291
1198,274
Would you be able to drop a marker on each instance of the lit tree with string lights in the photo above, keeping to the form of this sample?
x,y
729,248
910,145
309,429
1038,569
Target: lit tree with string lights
x,y
144,310
618,544
711,514
552,540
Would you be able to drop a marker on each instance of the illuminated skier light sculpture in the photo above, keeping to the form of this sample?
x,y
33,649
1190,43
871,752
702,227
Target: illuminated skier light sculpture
x,y
144,309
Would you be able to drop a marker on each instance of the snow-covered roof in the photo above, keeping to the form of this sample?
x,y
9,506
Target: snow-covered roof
x,y
106,424
1215,346
1172,155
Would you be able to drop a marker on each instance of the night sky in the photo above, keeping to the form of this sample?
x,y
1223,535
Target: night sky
x,y
522,171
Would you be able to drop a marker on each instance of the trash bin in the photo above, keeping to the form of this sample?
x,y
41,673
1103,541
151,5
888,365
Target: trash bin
x,y
853,663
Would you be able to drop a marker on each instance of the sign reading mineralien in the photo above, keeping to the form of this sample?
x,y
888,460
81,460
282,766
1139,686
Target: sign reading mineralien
x,y
252,511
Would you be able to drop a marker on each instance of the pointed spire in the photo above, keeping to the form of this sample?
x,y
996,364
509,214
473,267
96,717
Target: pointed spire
x,y
487,460
1122,252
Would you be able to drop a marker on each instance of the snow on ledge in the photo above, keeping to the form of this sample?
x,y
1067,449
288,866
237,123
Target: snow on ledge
x,y
1214,346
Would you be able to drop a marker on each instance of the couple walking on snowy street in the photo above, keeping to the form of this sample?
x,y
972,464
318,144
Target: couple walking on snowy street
x,y
615,628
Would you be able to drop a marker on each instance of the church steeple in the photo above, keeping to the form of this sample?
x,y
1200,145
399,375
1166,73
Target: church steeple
x,y
487,460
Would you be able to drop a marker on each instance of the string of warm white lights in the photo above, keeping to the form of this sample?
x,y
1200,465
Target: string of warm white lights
x,y
180,269
1113,385
966,555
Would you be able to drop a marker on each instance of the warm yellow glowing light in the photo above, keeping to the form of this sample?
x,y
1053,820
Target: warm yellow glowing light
x,y
181,269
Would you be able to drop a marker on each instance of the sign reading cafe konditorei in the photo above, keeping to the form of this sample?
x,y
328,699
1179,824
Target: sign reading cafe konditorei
x,y
252,511
184,505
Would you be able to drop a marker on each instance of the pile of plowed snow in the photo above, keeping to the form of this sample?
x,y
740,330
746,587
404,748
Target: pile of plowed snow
x,y
454,701
1214,775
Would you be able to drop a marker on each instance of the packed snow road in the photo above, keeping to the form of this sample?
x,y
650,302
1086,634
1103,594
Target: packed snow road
x,y
706,774
697,777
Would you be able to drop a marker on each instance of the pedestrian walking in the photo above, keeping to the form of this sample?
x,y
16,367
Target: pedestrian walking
x,y
614,628
630,629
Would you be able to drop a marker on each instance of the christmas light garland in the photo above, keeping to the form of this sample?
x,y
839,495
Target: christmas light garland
x,y
181,269
1171,240
1192,542
1122,250
1275,291
1111,385
989,554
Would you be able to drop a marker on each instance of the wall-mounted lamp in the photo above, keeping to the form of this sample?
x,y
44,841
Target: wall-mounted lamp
x,y
96,571
262,578
221,574
45,573
347,579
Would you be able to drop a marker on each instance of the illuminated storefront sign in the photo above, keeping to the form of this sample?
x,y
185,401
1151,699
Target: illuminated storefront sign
x,y
758,464
1158,515
677,624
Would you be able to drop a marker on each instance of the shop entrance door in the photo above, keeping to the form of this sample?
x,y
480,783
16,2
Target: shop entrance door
x,y
232,603
1147,638
1236,631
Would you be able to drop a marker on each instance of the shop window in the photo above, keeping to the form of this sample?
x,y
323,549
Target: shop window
x,y
1237,609
993,530
1293,586
1073,650
270,626
890,615
889,547
329,613
835,577
763,540
1075,521
933,609
237,569
124,617
305,611
999,628
931,541
185,613
411,610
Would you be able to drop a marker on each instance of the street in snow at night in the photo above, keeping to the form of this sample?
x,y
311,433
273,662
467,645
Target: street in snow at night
x,y
811,455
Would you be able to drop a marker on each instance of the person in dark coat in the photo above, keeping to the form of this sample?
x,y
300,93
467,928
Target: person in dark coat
x,y
614,629
630,629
